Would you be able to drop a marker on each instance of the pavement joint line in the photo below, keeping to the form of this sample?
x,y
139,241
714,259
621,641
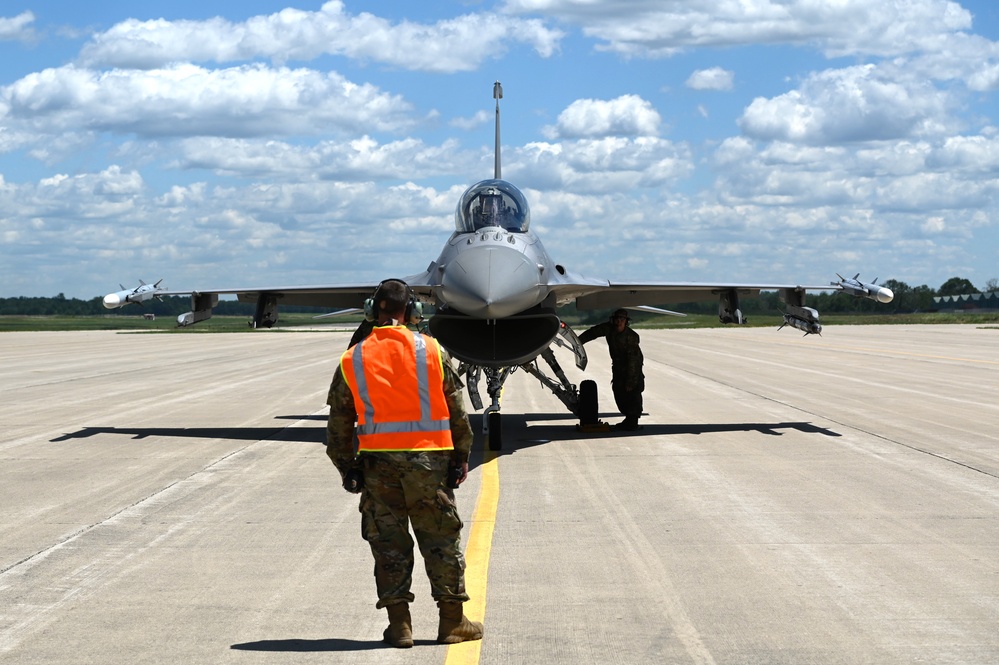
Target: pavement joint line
x,y
842,424
10,637
42,554
804,343
68,538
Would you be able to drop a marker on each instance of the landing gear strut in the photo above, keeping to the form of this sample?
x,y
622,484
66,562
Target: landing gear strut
x,y
582,402
492,424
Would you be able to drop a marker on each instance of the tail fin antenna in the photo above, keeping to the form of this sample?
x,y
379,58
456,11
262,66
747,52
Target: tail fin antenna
x,y
497,95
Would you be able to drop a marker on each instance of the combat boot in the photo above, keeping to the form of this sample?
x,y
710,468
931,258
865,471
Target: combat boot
x,y
400,629
455,626
629,424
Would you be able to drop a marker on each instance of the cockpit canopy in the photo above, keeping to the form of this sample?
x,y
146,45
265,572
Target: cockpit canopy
x,y
492,203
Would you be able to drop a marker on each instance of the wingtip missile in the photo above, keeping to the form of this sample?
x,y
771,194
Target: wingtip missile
x,y
139,294
858,289
115,300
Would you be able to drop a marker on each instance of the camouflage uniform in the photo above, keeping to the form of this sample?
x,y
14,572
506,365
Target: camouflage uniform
x,y
627,379
403,487
362,331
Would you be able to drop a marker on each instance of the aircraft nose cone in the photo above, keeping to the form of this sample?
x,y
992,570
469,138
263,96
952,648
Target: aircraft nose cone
x,y
112,300
491,282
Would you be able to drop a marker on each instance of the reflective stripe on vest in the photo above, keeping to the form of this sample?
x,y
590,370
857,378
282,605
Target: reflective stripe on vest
x,y
374,432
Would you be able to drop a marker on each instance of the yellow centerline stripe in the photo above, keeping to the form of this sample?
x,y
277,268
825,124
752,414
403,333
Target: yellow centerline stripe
x,y
480,540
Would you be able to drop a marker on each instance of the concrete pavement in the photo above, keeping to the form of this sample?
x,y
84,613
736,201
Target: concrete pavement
x,y
166,498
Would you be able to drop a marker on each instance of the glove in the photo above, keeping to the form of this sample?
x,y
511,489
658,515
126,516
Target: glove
x,y
353,481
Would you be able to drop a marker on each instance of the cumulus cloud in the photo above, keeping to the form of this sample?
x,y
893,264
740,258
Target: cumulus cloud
x,y
361,159
17,27
963,57
943,174
715,78
652,28
186,100
477,120
932,36
975,154
64,200
985,78
600,165
294,167
458,44
81,220
852,104
628,115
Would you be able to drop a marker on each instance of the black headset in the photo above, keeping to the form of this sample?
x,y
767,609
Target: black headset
x,y
414,308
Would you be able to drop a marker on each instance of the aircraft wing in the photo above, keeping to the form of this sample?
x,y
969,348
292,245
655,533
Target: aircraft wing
x,y
325,295
268,298
631,294
590,295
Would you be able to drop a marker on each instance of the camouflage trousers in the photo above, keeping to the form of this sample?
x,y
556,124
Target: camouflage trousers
x,y
404,488
629,402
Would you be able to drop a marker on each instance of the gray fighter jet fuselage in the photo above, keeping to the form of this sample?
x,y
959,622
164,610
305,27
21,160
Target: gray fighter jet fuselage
x,y
493,282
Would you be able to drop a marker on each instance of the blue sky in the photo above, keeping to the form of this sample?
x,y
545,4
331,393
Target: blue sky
x,y
267,143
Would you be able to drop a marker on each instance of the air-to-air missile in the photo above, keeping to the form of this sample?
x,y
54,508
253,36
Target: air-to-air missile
x,y
139,294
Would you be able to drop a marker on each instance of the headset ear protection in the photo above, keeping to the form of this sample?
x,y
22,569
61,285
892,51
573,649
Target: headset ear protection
x,y
414,308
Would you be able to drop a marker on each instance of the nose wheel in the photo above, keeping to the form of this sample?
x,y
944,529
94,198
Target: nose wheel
x,y
587,409
494,430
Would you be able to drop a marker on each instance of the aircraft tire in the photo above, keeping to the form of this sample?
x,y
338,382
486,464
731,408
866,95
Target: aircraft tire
x,y
588,410
495,431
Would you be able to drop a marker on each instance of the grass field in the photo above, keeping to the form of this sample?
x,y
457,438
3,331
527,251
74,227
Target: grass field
x,y
765,320
164,324
291,322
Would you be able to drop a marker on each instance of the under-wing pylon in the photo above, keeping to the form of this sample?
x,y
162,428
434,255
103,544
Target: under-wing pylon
x,y
497,292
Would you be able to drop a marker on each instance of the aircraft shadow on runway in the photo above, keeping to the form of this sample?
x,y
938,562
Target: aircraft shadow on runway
x,y
307,646
277,433
519,433
329,644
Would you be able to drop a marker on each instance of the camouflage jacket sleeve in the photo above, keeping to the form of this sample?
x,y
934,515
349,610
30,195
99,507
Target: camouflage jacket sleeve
x,y
461,429
599,330
340,445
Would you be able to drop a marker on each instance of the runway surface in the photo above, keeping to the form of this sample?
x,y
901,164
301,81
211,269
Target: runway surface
x,y
166,498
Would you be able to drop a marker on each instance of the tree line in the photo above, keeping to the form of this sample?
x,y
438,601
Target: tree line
x,y
907,299
174,306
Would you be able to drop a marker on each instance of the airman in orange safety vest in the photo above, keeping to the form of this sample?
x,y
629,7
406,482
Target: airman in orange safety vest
x,y
390,377
396,394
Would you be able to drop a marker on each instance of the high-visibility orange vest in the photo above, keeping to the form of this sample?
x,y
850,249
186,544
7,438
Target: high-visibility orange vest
x,y
397,379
